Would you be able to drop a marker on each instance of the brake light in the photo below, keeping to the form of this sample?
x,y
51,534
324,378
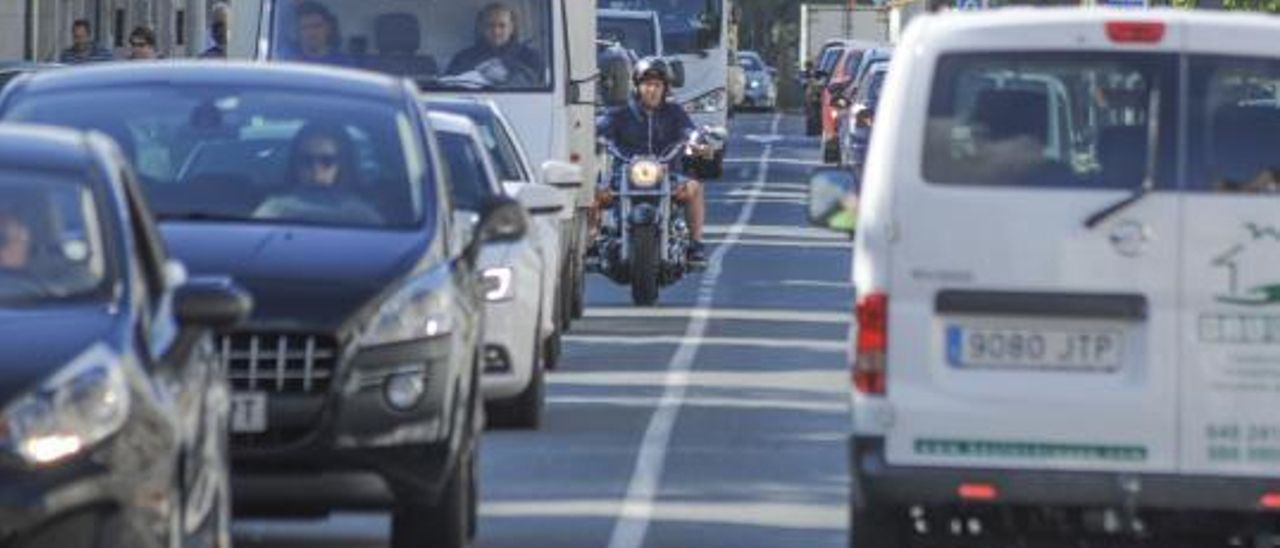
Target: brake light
x,y
1138,32
872,342
1270,501
978,491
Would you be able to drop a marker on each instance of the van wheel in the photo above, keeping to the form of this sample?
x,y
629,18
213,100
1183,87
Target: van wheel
x,y
880,527
444,524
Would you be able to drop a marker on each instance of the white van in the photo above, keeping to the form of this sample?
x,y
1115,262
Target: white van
x,y
533,58
1081,338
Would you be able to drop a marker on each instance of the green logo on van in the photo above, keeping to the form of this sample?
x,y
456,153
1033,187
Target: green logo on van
x,y
1264,295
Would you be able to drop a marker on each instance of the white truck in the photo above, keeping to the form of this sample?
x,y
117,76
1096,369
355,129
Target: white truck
x,y
530,57
822,23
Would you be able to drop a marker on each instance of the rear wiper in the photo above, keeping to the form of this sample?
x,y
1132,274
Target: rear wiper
x,y
1149,177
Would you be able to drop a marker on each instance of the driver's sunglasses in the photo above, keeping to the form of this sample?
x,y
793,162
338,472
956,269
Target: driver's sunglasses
x,y
326,161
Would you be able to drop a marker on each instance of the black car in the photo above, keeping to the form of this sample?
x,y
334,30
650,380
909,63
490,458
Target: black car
x,y
113,404
356,379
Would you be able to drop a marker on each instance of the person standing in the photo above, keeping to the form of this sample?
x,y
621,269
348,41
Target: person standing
x,y
219,31
84,49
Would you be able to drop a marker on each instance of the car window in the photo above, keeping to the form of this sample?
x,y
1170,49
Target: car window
x,y
1234,110
869,93
502,150
851,62
750,62
1049,119
829,59
634,34
53,239
443,45
468,179
271,156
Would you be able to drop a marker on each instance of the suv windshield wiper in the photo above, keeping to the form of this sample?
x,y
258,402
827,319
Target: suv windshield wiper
x,y
1149,177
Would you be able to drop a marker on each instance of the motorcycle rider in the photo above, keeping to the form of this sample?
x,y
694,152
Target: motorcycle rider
x,y
649,124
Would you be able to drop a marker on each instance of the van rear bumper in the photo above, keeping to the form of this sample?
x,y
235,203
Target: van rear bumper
x,y
875,480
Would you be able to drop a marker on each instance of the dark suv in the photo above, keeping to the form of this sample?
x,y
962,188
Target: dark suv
x,y
356,379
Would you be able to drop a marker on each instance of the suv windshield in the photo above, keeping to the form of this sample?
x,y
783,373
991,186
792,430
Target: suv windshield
x,y
472,44
633,33
51,239
264,156
688,26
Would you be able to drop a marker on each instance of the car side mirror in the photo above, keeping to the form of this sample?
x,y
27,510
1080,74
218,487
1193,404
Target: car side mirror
x,y
503,220
677,73
840,102
831,195
561,174
541,199
212,303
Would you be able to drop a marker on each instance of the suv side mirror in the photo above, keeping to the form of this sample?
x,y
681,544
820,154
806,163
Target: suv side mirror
x,y
211,303
561,174
540,199
677,73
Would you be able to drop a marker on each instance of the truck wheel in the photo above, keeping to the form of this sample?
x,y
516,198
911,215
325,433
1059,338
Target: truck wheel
x,y
878,527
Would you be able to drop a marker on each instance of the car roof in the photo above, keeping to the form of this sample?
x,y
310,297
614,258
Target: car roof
x,y
470,106
645,15
27,146
281,75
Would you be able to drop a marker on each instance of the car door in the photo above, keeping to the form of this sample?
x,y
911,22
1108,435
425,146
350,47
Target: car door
x,y
1231,268
1022,335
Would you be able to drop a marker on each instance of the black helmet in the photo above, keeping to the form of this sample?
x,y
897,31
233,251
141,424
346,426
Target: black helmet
x,y
651,66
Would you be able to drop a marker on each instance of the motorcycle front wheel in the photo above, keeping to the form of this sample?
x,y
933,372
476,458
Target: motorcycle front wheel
x,y
645,261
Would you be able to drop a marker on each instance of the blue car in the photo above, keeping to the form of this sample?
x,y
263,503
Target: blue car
x,y
761,82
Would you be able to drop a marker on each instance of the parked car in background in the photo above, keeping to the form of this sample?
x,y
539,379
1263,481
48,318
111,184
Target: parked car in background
x,y
522,290
322,190
842,77
113,402
762,85
857,119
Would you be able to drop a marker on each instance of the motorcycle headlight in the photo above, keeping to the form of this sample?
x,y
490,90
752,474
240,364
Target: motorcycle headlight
x,y
499,284
76,409
420,310
646,173
714,101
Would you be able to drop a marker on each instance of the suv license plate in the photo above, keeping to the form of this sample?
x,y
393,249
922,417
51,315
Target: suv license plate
x,y
249,412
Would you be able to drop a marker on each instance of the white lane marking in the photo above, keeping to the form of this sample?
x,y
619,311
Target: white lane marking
x,y
810,345
637,509
775,515
742,314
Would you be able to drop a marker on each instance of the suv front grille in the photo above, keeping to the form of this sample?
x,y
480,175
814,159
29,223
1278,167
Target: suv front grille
x,y
280,362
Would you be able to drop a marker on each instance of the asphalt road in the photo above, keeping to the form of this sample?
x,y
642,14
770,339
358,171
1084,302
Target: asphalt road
x,y
716,419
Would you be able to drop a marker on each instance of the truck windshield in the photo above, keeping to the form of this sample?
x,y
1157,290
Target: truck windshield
x,y
688,26
468,44
633,33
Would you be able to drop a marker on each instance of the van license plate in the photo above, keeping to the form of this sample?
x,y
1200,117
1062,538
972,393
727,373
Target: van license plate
x,y
987,348
249,412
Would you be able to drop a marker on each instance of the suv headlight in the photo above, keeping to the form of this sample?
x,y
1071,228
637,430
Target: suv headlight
x,y
646,173
420,310
76,409
714,101
499,283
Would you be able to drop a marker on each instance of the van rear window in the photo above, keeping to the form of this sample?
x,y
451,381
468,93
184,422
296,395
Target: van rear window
x,y
1052,119
1234,124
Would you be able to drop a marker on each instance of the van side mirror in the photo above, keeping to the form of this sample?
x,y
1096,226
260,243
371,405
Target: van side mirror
x,y
832,199
677,73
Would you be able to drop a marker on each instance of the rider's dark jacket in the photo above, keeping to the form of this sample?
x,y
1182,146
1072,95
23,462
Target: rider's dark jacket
x,y
636,131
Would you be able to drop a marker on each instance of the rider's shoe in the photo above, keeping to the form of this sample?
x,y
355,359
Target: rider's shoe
x,y
697,255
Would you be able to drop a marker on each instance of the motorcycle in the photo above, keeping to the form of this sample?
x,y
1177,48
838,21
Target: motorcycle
x,y
644,238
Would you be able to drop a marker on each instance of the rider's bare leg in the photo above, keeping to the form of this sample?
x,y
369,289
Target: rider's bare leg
x,y
695,208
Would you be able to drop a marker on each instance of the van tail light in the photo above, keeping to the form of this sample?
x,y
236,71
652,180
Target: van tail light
x,y
1270,501
872,342
1135,32
978,492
